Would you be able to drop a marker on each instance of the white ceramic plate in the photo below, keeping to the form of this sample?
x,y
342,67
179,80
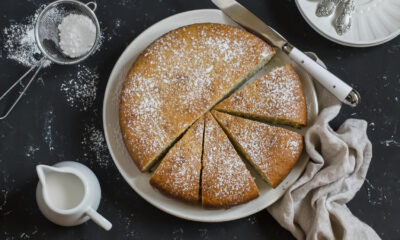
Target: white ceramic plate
x,y
374,22
140,181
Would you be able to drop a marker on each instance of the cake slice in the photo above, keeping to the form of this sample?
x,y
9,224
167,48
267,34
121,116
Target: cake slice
x,y
276,97
273,151
225,179
178,174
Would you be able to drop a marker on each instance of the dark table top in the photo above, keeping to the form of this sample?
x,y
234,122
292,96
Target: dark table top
x,y
48,127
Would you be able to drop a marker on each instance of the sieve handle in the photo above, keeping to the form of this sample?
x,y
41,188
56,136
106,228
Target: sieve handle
x,y
93,4
39,66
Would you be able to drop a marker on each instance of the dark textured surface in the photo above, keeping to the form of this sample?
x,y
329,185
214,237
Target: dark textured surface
x,y
45,129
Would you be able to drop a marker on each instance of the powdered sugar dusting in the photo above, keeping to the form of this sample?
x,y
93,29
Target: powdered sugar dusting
x,y
19,38
225,178
19,41
273,150
81,88
179,172
48,129
179,77
30,151
277,94
95,146
77,35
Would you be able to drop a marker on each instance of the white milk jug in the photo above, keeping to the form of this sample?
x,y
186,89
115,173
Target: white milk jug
x,y
68,194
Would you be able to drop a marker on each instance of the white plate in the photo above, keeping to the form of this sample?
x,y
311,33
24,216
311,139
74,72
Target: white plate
x,y
374,22
140,181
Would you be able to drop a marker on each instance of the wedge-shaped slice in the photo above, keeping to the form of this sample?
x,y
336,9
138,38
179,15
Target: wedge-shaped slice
x,y
273,151
276,97
178,78
178,174
225,179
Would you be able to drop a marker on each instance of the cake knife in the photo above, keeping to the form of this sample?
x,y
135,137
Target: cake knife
x,y
248,20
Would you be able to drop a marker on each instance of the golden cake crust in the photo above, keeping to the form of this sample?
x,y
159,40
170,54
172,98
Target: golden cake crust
x,y
273,151
178,78
178,174
225,179
276,97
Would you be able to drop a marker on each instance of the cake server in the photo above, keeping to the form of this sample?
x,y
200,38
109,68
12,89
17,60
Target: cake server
x,y
248,20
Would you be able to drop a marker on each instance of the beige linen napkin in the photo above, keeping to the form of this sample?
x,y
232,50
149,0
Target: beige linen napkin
x,y
314,207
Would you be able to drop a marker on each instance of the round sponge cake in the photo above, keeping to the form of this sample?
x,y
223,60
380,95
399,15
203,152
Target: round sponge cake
x,y
178,78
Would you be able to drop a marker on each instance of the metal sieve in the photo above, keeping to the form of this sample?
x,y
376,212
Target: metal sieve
x,y
47,39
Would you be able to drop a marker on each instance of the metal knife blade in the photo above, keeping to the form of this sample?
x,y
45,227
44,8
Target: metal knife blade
x,y
250,21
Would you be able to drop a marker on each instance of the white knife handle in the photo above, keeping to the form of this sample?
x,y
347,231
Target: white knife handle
x,y
337,87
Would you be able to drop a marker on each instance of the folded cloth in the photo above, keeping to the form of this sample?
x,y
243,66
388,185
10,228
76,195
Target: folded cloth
x,y
314,207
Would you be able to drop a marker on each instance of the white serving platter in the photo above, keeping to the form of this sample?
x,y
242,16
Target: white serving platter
x,y
374,22
140,181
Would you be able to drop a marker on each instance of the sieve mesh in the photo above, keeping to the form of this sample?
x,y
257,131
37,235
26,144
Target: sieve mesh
x,y
47,33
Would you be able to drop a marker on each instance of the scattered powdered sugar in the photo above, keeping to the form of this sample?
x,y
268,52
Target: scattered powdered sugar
x,y
4,197
19,42
372,126
116,27
378,195
107,34
252,219
19,45
19,38
81,89
391,142
177,234
48,129
203,233
30,151
95,146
